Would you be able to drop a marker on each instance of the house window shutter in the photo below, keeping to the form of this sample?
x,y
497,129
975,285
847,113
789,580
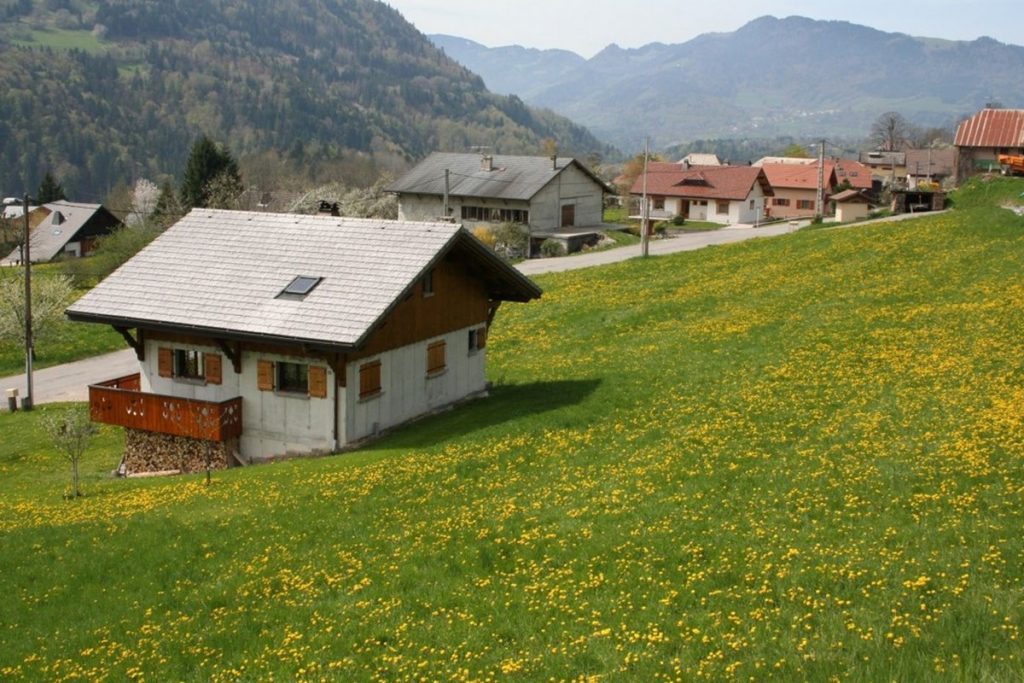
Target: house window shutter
x,y
436,357
369,379
265,375
481,338
214,374
317,381
165,362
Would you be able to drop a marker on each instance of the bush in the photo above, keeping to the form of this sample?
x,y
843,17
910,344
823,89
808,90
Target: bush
x,y
112,250
510,240
550,247
678,220
484,235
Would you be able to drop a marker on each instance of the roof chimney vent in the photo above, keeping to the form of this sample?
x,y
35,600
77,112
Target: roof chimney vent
x,y
554,162
58,218
487,163
328,209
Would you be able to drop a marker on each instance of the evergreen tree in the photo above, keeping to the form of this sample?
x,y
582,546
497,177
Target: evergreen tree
x,y
168,208
206,162
50,190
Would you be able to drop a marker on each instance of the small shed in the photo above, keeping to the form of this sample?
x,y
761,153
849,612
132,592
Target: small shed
x,y
851,205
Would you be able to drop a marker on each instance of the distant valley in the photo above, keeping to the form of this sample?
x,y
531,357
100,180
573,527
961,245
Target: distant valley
x,y
792,76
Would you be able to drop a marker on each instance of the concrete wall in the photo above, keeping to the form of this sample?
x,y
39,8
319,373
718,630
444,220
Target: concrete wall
x,y
572,186
406,390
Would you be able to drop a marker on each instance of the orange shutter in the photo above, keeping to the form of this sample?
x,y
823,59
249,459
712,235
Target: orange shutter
x,y
265,375
435,357
369,379
317,381
165,362
213,368
481,338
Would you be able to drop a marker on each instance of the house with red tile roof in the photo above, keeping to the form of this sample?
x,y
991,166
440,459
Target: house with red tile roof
x,y
983,137
720,194
795,188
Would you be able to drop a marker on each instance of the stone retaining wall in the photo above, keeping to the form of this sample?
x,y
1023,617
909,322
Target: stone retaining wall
x,y
151,452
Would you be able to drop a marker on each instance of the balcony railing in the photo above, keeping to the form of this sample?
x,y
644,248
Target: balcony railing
x,y
119,402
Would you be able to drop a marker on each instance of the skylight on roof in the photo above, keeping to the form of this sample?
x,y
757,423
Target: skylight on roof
x,y
300,287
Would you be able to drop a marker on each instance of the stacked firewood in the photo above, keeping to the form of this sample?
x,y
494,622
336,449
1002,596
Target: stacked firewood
x,y
148,452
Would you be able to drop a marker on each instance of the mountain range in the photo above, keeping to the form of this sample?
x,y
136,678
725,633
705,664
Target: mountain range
x,y
107,91
771,77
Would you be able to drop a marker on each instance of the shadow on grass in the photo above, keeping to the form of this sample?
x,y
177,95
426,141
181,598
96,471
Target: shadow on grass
x,y
506,403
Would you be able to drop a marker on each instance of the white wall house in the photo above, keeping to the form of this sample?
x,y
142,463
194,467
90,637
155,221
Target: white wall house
x,y
720,194
275,335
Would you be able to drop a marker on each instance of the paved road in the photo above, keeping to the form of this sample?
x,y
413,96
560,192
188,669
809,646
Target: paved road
x,y
70,382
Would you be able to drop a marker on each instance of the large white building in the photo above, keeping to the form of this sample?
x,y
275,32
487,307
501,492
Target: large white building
x,y
264,335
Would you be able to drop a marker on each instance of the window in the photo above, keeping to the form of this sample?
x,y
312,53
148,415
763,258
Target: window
x,y
188,364
428,283
292,378
722,207
495,215
659,203
752,205
477,339
781,201
436,358
805,204
369,379
300,287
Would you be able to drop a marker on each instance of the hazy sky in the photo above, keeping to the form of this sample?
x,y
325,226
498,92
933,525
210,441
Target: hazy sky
x,y
587,26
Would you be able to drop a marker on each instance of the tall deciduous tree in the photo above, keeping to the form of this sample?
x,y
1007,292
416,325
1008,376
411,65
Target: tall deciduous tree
x,y
50,190
210,166
51,294
889,131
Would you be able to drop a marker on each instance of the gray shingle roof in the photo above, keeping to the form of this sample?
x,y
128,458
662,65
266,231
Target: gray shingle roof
x,y
512,177
221,272
63,224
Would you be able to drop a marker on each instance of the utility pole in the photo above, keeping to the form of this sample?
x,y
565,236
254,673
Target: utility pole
x,y
645,209
819,206
446,188
26,403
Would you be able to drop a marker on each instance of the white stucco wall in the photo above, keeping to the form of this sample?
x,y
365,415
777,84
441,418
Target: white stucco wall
x,y
406,391
273,423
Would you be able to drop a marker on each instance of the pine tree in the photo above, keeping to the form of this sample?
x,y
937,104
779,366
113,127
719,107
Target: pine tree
x,y
50,190
206,161
168,208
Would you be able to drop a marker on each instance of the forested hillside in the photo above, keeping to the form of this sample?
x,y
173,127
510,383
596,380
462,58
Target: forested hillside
x,y
106,90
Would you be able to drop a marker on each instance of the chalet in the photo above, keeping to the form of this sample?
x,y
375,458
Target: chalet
x,y
263,335
552,197
795,187
722,194
65,229
983,137
936,165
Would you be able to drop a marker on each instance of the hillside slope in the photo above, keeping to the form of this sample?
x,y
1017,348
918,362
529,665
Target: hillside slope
x,y
791,76
116,89
796,458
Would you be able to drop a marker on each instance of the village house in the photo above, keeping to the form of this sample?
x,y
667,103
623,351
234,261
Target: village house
x,y
983,137
795,187
936,165
887,168
551,197
721,194
851,205
263,335
64,229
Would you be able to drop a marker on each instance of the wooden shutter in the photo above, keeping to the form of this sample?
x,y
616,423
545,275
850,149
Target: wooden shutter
x,y
265,375
369,379
317,381
214,374
481,338
435,357
165,362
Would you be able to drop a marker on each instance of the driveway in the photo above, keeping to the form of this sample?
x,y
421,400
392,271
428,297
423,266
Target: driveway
x,y
70,382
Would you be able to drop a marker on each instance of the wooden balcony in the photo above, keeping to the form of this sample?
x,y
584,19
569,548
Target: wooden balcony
x,y
119,402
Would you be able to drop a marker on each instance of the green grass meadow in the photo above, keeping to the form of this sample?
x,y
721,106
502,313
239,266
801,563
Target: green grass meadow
x,y
797,458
